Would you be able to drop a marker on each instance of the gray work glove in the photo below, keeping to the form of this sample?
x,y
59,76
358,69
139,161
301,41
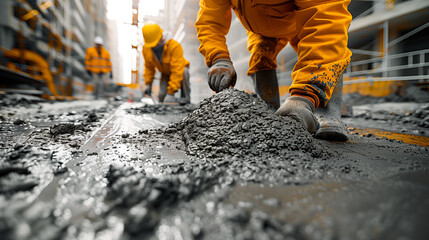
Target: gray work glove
x,y
301,109
148,90
221,75
170,99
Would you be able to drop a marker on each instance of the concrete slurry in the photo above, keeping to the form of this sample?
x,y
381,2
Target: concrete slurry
x,y
225,169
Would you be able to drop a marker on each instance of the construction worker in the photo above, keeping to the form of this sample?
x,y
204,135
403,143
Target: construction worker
x,y
316,30
98,65
165,54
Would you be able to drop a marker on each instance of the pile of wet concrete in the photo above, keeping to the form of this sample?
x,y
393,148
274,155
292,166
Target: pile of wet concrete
x,y
148,197
236,134
150,200
236,124
233,139
163,109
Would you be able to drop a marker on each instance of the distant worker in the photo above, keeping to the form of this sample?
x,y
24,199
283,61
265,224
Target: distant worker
x,y
316,30
166,55
98,65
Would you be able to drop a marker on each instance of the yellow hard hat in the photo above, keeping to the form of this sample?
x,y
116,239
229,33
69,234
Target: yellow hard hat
x,y
152,33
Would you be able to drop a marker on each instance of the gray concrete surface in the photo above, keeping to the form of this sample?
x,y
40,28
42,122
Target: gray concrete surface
x,y
113,170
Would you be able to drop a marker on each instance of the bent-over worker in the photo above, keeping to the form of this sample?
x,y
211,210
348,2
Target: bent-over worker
x,y
165,54
316,30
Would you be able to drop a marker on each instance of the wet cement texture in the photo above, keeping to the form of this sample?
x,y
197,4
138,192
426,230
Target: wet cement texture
x,y
163,109
230,169
38,139
236,124
395,116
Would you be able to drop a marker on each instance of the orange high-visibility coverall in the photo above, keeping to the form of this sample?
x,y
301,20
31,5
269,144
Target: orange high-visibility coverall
x,y
98,63
172,63
316,29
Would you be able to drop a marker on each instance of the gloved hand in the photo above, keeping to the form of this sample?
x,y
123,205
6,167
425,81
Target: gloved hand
x,y
221,75
170,99
89,72
148,90
111,75
301,109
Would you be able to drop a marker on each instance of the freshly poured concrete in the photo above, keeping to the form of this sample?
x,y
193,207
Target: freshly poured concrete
x,y
231,169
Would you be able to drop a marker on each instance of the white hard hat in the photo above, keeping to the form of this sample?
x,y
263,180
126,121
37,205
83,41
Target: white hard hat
x,y
98,40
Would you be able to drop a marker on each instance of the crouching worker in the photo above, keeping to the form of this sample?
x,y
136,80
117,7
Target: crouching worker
x,y
165,54
316,30
98,66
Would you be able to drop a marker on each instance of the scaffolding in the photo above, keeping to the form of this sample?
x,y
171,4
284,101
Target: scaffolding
x,y
45,41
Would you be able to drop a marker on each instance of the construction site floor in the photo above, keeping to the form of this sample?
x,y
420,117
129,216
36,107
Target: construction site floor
x,y
98,169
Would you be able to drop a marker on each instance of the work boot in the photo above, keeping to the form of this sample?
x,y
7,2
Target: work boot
x,y
331,127
301,109
266,87
184,101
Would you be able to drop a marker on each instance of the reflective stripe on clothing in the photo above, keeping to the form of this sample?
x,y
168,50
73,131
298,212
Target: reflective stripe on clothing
x,y
173,63
98,63
317,31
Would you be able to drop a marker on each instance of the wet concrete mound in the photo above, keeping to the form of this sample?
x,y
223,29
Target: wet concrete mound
x,y
163,109
236,124
147,197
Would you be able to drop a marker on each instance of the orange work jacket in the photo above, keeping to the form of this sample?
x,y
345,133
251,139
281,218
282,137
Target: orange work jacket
x,y
316,29
98,63
172,63
269,18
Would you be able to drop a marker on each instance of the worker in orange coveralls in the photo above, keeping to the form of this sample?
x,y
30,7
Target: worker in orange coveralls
x,y
316,30
98,65
165,54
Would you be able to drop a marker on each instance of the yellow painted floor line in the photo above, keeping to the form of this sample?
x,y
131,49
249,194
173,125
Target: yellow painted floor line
x,y
406,138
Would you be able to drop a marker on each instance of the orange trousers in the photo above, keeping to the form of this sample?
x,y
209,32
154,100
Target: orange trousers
x,y
320,40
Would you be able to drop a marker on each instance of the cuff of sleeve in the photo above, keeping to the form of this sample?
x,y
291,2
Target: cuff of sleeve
x,y
221,55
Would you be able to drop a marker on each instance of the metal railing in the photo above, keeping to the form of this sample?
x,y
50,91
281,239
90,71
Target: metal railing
x,y
398,67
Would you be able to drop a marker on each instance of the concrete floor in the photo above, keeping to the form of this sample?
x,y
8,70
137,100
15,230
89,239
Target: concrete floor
x,y
115,170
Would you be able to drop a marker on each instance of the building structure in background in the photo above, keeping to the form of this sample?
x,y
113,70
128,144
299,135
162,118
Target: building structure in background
x,y
43,44
390,44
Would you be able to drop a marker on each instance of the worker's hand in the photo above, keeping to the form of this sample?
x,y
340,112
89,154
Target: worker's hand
x,y
89,72
301,109
170,99
148,90
111,75
221,75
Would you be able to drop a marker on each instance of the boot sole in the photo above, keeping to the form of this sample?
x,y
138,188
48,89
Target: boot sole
x,y
332,134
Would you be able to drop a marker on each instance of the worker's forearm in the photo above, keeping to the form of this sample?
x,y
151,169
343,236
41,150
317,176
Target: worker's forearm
x,y
213,22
